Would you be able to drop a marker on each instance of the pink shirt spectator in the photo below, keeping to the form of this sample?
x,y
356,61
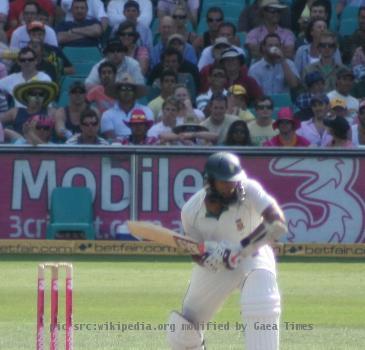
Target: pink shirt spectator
x,y
257,35
276,141
309,131
97,96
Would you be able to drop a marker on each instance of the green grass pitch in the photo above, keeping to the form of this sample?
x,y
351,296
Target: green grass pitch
x,y
113,292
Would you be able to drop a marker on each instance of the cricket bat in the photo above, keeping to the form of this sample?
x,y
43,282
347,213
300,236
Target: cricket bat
x,y
165,236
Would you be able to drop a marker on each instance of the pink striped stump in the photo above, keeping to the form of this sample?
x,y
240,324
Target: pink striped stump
x,y
54,305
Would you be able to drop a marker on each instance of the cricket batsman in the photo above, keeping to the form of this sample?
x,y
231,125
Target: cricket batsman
x,y
229,208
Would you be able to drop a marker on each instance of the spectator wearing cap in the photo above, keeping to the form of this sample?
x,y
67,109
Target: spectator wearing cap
x,y
116,12
168,80
80,31
28,71
176,41
20,36
261,129
270,11
34,98
314,82
326,65
36,131
97,96
238,134
115,52
350,43
221,44
126,93
50,53
139,125
237,103
211,53
167,8
233,63
187,72
95,11
217,80
251,17
214,18
274,72
344,85
313,129
67,119
218,121
358,130
338,107
339,129
310,53
287,125
128,36
89,129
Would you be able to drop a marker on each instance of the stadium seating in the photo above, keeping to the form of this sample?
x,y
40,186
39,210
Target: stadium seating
x,y
71,211
83,54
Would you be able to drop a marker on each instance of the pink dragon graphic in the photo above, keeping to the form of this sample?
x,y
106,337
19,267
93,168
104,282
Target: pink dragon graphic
x,y
327,209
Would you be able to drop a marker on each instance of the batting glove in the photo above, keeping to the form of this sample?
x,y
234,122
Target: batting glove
x,y
222,255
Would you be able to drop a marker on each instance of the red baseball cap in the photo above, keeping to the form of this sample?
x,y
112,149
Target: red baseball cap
x,y
286,113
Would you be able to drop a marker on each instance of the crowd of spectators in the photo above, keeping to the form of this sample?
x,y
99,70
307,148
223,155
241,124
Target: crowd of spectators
x,y
182,72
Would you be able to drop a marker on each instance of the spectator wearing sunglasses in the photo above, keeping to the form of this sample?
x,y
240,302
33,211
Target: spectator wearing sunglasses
x,y
89,129
270,12
310,53
167,8
214,18
67,118
129,36
35,96
261,129
326,65
250,17
114,120
180,17
28,71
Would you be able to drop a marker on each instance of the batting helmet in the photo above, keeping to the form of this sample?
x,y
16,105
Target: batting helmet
x,y
224,166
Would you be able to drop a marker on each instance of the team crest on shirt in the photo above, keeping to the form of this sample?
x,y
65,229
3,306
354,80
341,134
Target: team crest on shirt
x,y
239,224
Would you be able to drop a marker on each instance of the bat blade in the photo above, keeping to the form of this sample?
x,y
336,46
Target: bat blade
x,y
163,235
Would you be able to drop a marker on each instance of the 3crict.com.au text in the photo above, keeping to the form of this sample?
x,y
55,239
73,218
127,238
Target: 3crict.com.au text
x,y
111,326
